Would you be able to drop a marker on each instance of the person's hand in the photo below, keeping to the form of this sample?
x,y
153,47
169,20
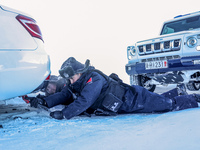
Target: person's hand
x,y
57,115
35,101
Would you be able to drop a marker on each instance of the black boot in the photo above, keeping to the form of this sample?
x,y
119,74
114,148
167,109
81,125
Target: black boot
x,y
181,89
197,97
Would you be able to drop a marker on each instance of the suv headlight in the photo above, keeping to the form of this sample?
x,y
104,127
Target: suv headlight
x,y
131,52
192,42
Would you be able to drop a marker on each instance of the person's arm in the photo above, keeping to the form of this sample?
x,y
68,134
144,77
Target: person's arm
x,y
58,98
88,96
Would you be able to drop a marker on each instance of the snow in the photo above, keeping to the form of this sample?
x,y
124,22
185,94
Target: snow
x,y
23,127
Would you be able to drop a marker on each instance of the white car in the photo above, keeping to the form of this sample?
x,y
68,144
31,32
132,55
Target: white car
x,y
24,64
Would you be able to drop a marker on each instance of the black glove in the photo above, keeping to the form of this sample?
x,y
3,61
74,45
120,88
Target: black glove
x,y
35,101
57,115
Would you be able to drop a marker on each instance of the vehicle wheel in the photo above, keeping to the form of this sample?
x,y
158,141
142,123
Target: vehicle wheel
x,y
143,81
193,86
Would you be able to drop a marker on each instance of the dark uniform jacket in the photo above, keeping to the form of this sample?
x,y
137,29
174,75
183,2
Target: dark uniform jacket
x,y
88,88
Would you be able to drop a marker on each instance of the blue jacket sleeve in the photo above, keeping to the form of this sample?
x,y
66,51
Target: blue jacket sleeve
x,y
88,96
58,98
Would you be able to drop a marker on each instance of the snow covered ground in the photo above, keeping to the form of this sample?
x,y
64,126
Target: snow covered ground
x,y
23,127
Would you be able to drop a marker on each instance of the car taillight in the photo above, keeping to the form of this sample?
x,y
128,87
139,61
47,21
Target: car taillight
x,y
48,77
30,25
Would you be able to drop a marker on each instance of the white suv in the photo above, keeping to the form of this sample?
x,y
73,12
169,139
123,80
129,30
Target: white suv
x,y
24,64
171,58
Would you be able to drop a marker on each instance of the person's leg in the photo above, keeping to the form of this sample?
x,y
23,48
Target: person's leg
x,y
148,102
184,102
179,90
171,94
197,96
144,101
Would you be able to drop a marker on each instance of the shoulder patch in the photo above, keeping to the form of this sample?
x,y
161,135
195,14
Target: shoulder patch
x,y
89,81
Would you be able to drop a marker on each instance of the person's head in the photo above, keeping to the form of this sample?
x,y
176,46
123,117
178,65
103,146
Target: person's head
x,y
54,84
51,88
72,70
74,78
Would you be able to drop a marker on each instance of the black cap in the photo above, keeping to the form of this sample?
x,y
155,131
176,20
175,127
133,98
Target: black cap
x,y
71,67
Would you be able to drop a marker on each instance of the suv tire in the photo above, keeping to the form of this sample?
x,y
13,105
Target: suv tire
x,y
142,81
193,86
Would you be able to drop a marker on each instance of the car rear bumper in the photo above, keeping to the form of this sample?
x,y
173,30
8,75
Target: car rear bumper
x,y
26,71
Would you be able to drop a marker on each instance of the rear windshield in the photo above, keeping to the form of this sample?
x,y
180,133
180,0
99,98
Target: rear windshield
x,y
181,25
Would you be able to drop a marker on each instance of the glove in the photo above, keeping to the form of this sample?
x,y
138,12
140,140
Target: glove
x,y
57,115
35,101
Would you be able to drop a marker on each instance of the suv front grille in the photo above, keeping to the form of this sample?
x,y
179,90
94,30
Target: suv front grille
x,y
161,58
166,46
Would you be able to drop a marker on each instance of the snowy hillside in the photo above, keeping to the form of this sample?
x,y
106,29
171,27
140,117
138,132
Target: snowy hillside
x,y
22,127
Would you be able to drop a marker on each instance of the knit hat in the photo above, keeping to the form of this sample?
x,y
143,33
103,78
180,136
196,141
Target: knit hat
x,y
53,79
71,67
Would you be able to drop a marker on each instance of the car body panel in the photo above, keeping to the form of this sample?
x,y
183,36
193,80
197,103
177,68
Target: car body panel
x,y
24,64
13,36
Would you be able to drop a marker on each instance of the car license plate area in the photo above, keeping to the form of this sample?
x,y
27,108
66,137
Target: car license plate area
x,y
196,62
156,64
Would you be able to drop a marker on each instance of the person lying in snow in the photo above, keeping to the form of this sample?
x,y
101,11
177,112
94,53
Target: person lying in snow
x,y
91,91
48,87
53,85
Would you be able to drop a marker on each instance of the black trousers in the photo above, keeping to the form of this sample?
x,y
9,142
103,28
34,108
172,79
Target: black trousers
x,y
144,101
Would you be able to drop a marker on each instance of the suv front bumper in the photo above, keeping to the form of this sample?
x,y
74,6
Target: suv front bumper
x,y
183,64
